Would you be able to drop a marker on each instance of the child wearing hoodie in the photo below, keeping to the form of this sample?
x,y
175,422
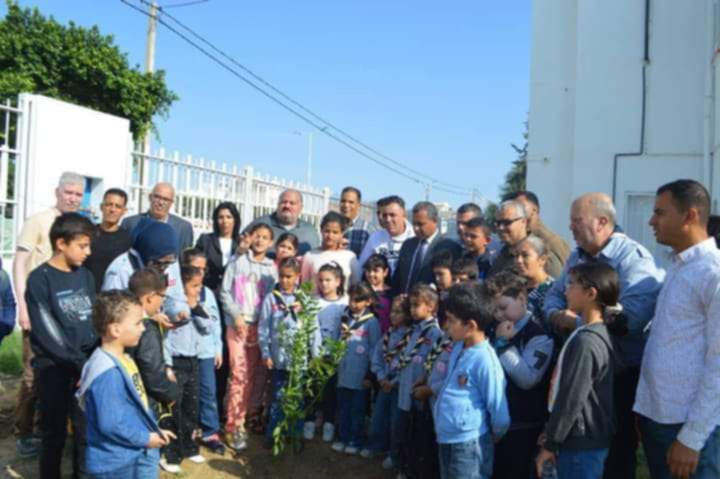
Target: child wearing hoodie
x,y
248,279
121,430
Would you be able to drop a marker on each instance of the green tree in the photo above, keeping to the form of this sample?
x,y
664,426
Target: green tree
x,y
515,178
78,65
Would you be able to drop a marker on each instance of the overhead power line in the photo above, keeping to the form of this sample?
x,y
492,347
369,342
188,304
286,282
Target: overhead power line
x,y
297,109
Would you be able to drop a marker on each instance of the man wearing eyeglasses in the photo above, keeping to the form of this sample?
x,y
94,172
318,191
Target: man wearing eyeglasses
x,y
511,226
162,198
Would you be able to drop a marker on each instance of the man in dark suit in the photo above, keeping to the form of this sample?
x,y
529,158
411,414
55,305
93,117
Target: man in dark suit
x,y
416,254
161,200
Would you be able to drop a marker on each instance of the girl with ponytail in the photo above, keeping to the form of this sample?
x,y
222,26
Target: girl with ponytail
x,y
581,423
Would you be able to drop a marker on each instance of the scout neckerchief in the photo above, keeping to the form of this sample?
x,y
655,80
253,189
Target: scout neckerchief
x,y
389,354
348,323
282,305
441,344
405,358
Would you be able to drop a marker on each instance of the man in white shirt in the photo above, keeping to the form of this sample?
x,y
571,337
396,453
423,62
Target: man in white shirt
x,y
678,396
390,239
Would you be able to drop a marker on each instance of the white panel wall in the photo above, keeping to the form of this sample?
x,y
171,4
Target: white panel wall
x,y
552,107
65,137
573,152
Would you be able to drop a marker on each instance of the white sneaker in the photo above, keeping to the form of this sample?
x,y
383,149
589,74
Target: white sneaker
x,y
352,450
366,453
171,468
338,446
328,431
197,459
309,430
387,464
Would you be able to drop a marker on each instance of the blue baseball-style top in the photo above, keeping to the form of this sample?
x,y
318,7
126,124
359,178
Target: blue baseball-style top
x,y
363,337
471,401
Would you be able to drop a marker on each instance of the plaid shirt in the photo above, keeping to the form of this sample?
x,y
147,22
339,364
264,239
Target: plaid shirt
x,y
357,235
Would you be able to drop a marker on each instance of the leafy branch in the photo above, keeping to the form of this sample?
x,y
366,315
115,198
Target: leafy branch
x,y
307,376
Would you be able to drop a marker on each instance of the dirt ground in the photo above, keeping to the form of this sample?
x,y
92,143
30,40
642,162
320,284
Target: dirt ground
x,y
317,461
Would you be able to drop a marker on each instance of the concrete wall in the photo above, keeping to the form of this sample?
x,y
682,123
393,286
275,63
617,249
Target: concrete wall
x,y
586,106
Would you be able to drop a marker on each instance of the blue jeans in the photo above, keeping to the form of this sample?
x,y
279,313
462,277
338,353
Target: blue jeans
x,y
383,421
148,464
209,416
352,404
278,379
467,460
657,438
581,463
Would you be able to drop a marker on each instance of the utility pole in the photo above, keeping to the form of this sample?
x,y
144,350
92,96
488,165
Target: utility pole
x,y
149,68
150,58
428,189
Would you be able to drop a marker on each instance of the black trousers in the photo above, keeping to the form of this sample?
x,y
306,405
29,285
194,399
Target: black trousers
x,y
621,460
221,375
56,388
415,443
185,412
515,454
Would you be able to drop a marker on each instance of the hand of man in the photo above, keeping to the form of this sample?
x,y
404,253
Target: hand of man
x,y
218,361
543,457
682,460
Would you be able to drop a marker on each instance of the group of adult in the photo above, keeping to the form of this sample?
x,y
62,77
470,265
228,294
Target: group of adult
x,y
676,373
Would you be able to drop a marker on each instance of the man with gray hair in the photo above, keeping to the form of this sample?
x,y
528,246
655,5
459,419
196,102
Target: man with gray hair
x,y
33,249
162,198
592,222
286,219
416,254
511,225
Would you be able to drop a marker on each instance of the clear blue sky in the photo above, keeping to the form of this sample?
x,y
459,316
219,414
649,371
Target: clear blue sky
x,y
440,86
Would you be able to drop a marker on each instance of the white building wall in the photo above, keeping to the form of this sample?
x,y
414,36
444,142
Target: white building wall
x,y
602,145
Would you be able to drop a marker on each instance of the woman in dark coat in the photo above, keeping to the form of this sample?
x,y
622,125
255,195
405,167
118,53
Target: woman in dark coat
x,y
219,246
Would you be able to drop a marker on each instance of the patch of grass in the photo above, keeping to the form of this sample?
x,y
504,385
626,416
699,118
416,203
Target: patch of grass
x,y
11,354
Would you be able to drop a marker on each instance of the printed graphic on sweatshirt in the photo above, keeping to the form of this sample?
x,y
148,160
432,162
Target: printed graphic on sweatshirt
x,y
249,292
75,305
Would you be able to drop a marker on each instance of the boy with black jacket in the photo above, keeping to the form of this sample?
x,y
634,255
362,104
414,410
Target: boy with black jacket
x,y
59,295
149,285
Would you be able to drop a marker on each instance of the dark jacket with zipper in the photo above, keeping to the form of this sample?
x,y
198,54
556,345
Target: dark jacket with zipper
x,y
148,356
209,243
583,416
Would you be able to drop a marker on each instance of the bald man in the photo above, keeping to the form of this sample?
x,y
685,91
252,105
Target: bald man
x,y
162,198
286,218
592,222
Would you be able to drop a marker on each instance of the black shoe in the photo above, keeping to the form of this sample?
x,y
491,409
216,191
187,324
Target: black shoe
x,y
214,446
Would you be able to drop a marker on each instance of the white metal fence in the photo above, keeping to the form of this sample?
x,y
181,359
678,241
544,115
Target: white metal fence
x,y
201,185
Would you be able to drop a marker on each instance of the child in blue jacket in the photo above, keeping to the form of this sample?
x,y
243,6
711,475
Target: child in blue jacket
x,y
279,313
122,435
360,330
383,366
471,410
7,305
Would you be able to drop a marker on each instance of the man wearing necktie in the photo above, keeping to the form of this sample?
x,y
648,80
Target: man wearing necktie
x,y
414,264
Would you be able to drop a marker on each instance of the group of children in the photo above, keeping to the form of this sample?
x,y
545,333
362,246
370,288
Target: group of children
x,y
452,378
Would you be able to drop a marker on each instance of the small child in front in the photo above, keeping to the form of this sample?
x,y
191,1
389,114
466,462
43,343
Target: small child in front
x,y
360,330
121,429
471,410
